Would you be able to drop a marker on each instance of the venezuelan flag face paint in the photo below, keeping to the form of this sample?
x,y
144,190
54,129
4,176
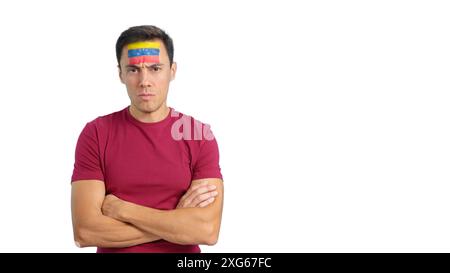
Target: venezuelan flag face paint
x,y
143,52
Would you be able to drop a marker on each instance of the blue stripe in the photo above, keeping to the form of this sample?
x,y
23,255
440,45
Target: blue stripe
x,y
143,52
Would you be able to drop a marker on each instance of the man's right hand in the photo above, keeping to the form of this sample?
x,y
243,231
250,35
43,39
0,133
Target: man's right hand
x,y
198,195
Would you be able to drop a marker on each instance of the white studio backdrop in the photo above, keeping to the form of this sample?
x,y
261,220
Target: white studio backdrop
x,y
332,117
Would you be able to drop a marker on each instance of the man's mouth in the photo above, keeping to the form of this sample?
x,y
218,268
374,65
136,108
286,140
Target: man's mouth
x,y
146,96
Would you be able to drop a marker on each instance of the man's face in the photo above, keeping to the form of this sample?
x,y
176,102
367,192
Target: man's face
x,y
147,82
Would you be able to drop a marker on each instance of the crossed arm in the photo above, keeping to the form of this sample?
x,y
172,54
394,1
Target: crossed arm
x,y
111,222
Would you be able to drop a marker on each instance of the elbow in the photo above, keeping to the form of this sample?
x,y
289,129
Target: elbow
x,y
205,234
205,231
211,235
212,240
82,237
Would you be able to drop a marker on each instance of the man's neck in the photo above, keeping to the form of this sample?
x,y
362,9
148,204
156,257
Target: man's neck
x,y
150,117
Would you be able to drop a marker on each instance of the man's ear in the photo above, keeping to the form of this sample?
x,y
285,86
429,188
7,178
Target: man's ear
x,y
173,71
120,74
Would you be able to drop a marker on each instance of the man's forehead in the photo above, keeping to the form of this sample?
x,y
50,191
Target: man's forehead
x,y
143,52
150,43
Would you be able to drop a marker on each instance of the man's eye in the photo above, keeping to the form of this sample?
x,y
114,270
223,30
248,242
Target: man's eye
x,y
156,68
132,70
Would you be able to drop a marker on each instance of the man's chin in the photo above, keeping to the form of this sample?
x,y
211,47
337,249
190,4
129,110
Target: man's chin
x,y
146,107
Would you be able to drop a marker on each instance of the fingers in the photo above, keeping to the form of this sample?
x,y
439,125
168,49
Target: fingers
x,y
193,188
200,194
206,202
197,195
203,198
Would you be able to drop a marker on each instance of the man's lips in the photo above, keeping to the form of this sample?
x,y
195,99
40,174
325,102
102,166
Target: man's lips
x,y
146,96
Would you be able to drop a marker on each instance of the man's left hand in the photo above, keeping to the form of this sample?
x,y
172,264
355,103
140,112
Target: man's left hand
x,y
112,205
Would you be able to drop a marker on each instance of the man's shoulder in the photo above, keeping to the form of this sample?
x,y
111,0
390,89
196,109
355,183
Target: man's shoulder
x,y
105,121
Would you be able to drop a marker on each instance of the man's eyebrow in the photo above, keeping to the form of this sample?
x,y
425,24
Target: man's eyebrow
x,y
150,66
132,66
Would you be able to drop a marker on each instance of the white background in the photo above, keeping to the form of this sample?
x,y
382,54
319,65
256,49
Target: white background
x,y
332,117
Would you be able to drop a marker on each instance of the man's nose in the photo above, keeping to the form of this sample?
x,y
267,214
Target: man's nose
x,y
145,78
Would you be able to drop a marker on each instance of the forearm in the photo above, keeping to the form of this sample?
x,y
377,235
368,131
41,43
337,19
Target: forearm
x,y
181,226
103,231
185,225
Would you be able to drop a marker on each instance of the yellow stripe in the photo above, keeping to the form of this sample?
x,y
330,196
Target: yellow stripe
x,y
143,45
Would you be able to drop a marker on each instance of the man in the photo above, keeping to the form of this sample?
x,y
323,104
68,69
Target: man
x,y
146,178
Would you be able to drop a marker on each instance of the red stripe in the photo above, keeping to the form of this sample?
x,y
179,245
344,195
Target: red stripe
x,y
143,59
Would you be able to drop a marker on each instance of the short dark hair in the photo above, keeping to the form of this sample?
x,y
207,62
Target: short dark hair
x,y
143,33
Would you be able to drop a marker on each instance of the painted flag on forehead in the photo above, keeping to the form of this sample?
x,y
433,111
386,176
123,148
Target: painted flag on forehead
x,y
143,52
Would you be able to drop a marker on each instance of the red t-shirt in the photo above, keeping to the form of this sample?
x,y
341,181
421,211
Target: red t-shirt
x,y
149,164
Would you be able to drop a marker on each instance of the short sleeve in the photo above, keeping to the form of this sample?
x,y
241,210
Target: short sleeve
x,y
87,157
207,163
